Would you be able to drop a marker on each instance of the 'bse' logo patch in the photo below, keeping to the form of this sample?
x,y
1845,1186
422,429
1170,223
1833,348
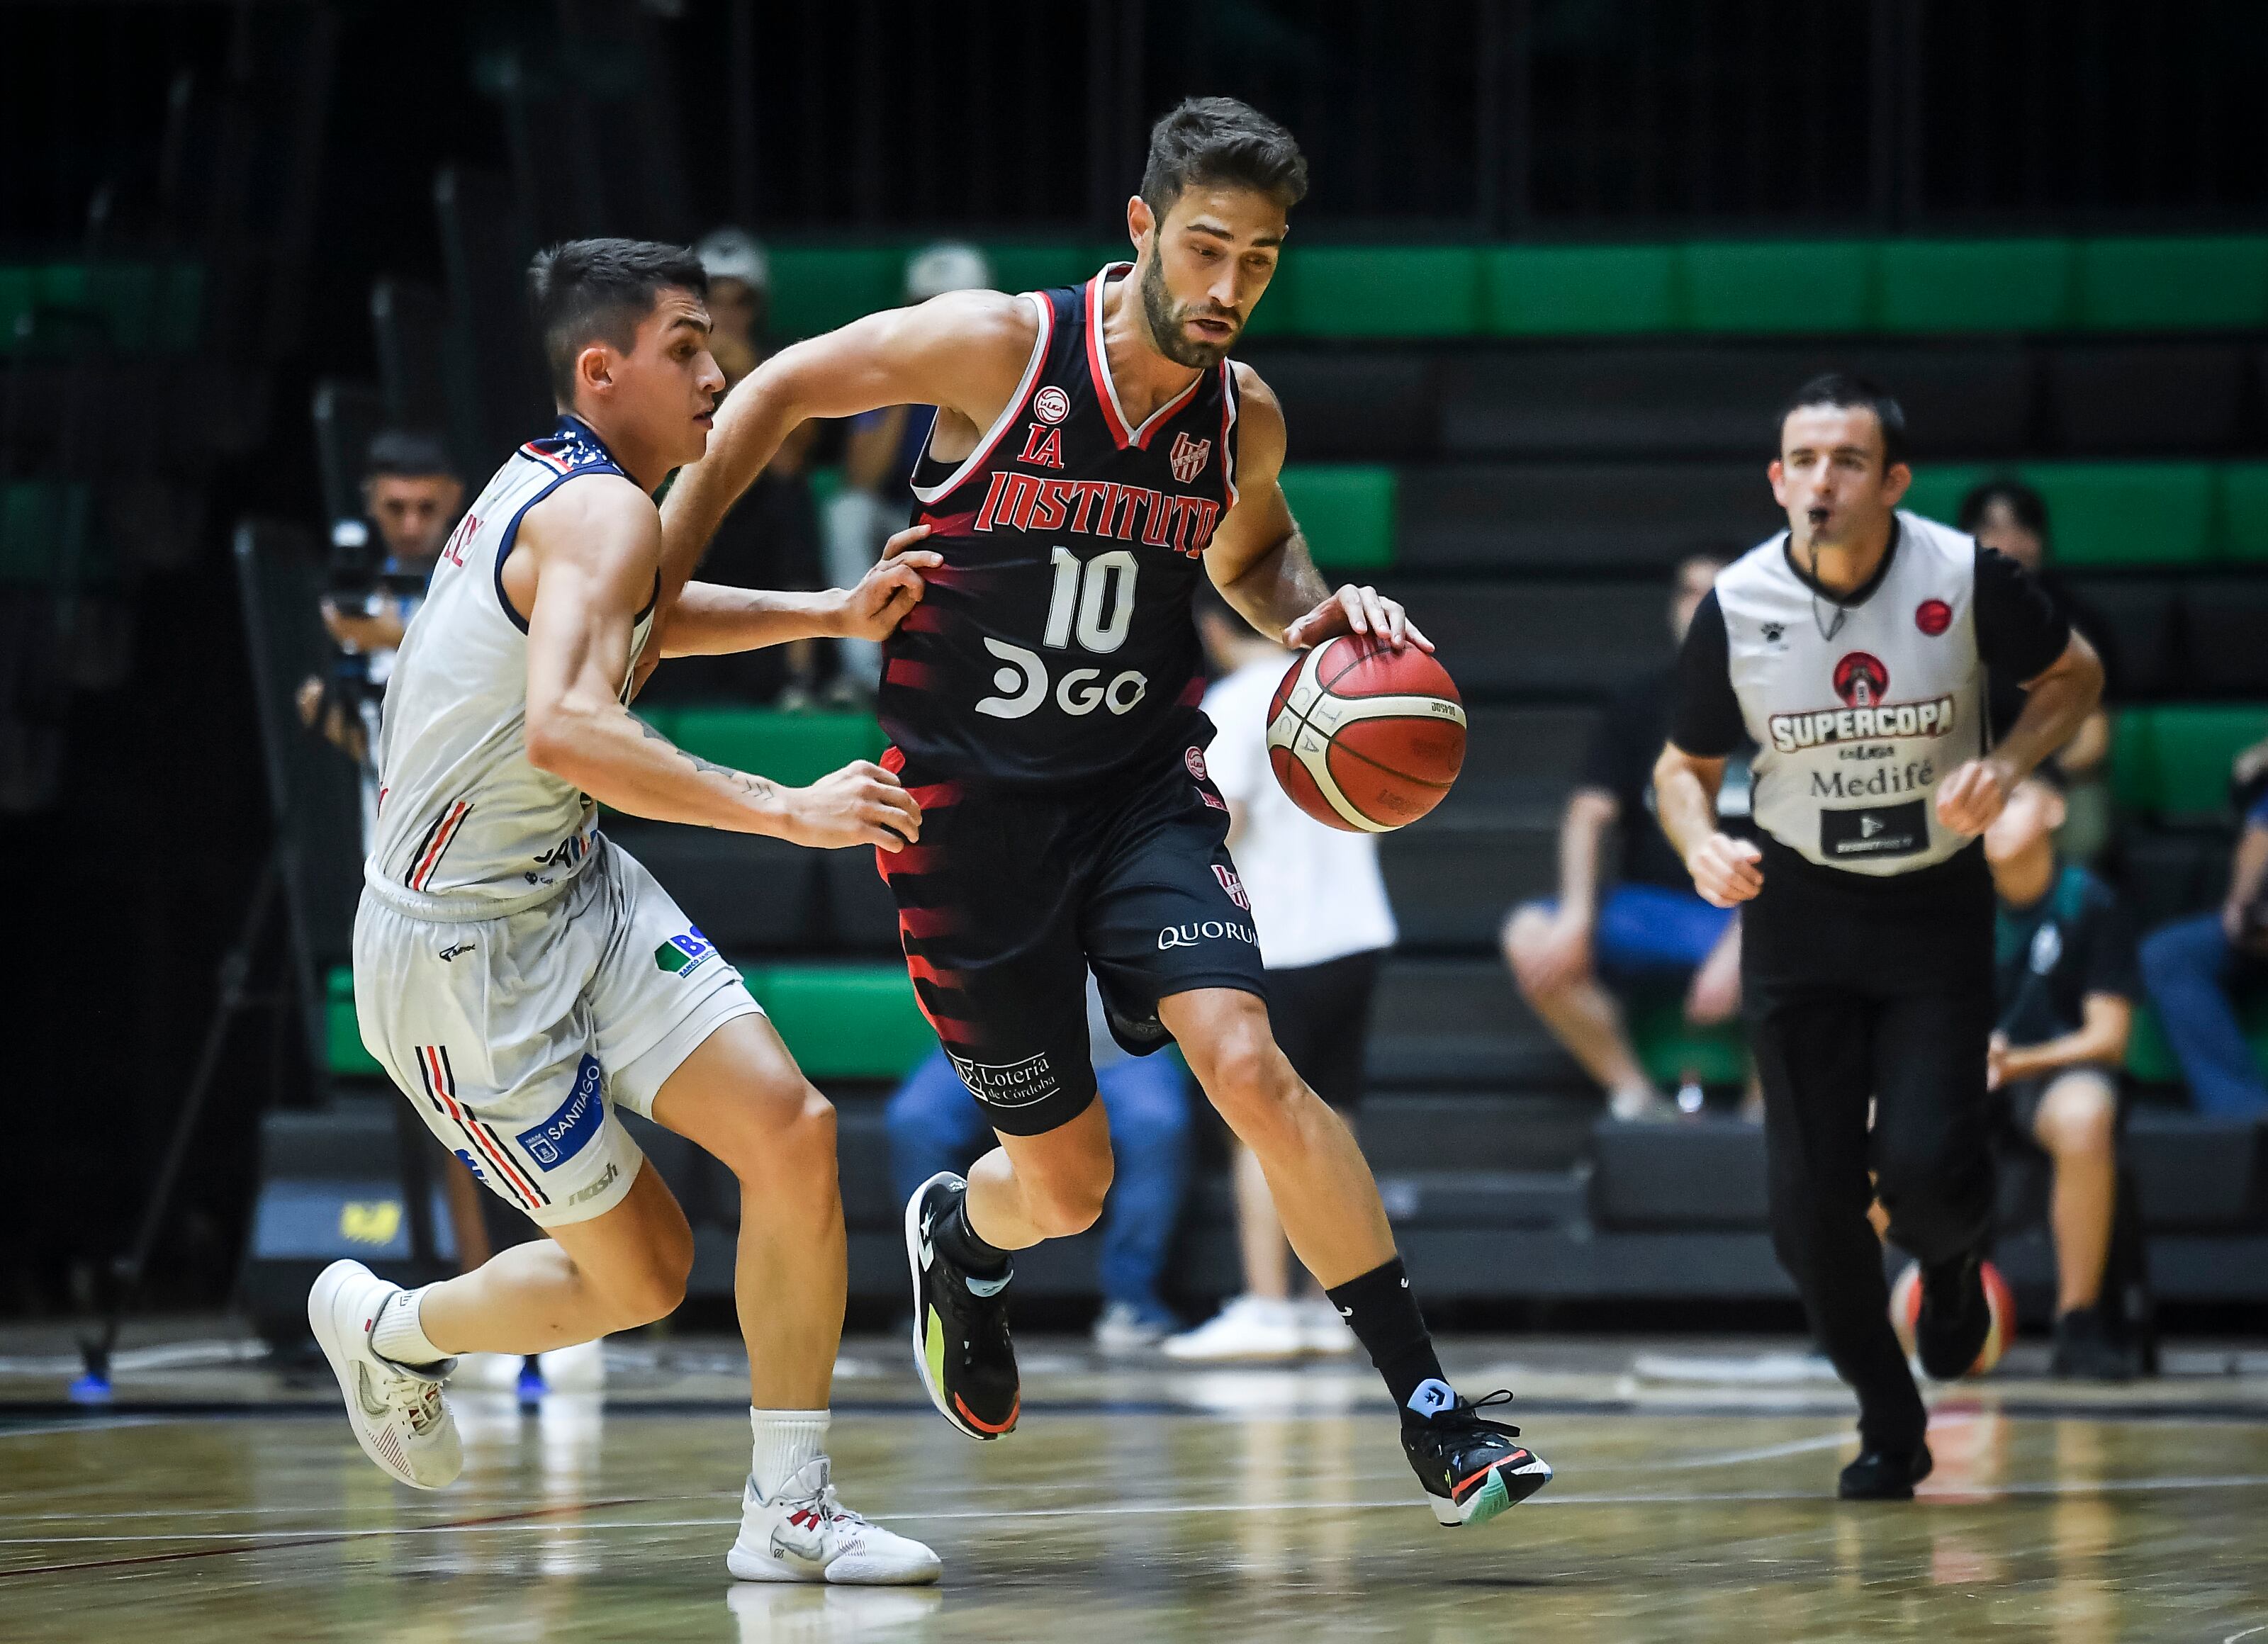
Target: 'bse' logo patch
x,y
569,1130
685,954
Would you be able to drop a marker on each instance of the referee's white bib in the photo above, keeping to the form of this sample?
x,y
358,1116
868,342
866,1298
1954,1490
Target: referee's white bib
x,y
1857,712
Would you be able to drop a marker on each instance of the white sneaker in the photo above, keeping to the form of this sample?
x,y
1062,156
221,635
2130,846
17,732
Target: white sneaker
x,y
805,1534
581,1368
1322,1329
1249,1327
1121,1330
398,1416
488,1372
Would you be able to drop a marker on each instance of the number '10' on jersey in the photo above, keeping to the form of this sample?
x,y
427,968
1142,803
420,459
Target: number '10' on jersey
x,y
1055,642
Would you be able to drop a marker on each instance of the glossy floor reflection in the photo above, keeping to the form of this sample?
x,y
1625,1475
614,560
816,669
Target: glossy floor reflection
x,y
1254,1506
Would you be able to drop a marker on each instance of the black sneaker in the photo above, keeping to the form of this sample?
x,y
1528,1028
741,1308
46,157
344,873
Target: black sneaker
x,y
960,1322
1955,1319
1471,1469
2085,1351
1885,1475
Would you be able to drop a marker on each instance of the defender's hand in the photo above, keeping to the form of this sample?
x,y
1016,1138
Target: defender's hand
x,y
860,804
1968,800
884,595
1724,870
1355,609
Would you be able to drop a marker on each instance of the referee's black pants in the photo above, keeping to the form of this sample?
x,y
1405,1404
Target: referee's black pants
x,y
1855,990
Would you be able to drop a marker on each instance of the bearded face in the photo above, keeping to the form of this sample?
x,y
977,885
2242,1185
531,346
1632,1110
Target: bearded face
x,y
1170,323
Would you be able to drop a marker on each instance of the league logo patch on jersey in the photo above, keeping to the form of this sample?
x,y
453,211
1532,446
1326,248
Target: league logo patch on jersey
x,y
1932,617
1194,759
1862,680
1052,404
1188,457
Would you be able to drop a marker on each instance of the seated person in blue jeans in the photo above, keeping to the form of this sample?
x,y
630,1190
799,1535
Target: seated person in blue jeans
x,y
2194,968
935,1125
1653,926
2064,983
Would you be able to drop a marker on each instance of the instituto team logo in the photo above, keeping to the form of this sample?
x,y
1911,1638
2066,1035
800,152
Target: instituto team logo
x,y
1052,404
1862,680
1189,456
1234,885
1932,617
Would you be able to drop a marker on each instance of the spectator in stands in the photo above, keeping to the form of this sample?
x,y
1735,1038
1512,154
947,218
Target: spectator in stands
x,y
935,1125
1320,907
770,538
2008,515
1572,955
2066,982
879,456
2196,969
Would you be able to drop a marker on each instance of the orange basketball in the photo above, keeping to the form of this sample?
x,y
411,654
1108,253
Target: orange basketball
x,y
1366,737
1905,1314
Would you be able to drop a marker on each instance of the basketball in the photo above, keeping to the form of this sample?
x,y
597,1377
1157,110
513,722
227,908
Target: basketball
x,y
1905,1312
1364,738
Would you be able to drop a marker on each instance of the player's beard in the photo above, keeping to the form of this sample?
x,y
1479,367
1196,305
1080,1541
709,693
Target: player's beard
x,y
1169,318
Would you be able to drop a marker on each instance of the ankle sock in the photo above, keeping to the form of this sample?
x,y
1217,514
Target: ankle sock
x,y
397,1335
960,1242
1383,1314
785,1440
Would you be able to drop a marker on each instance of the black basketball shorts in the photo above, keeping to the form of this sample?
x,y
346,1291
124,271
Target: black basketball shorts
x,y
1011,896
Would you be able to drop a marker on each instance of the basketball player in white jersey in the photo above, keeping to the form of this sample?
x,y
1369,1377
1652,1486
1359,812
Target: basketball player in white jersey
x,y
520,978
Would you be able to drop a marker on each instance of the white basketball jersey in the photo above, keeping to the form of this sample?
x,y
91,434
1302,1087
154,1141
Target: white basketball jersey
x,y
467,828
1858,711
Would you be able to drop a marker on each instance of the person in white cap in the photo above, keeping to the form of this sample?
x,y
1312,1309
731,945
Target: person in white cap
x,y
878,459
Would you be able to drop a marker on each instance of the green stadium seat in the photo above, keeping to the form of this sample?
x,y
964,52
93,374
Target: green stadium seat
x,y
1020,266
1946,287
1796,286
342,1046
45,537
2173,284
2244,510
793,748
1382,291
2151,1060
1672,1050
817,288
1938,486
2174,760
2129,513
1346,510
1577,290
845,1021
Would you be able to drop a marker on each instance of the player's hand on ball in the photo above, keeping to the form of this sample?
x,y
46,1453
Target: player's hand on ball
x,y
1968,800
1354,609
860,804
1724,869
875,608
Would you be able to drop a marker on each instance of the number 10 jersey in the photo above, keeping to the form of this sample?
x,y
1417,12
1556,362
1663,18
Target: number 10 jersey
x,y
1057,642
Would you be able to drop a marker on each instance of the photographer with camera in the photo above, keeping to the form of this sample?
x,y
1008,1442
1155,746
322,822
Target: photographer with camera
x,y
411,495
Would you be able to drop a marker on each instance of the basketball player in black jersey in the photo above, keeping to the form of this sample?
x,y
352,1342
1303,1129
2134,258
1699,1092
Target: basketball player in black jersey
x,y
1094,454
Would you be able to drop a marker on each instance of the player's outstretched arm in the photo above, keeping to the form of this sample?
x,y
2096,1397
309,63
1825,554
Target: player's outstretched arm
x,y
963,352
712,620
590,549
1259,560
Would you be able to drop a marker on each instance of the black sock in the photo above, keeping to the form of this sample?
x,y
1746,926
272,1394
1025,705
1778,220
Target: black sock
x,y
962,1247
1383,1314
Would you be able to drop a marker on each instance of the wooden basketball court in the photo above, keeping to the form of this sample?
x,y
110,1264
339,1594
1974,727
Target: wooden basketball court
x,y
221,1501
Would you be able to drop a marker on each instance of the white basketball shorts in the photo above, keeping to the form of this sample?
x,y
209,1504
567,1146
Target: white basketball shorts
x,y
516,1038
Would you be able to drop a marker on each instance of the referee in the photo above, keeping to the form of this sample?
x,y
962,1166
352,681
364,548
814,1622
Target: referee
x,y
1853,647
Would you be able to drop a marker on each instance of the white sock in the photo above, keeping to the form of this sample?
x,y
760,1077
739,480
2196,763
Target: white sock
x,y
397,1335
785,1440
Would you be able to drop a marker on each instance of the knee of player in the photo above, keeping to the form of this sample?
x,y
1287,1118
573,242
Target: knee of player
x,y
799,1147
655,1288
2078,1120
1062,1207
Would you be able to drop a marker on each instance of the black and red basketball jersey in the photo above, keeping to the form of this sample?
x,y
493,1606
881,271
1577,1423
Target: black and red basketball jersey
x,y
1056,642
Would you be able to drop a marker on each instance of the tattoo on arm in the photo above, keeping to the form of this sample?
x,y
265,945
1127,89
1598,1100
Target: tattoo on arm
x,y
754,787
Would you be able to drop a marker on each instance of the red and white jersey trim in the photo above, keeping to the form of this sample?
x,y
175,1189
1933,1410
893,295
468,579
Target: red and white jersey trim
x,y
1008,414
1097,366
